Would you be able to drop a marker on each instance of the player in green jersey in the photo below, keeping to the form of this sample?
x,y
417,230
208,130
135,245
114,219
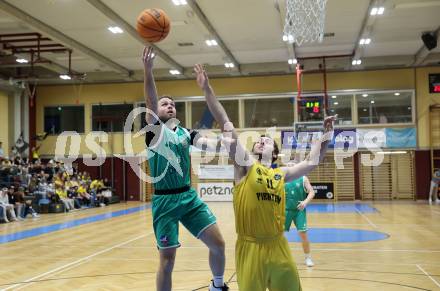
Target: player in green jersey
x,y
174,200
299,193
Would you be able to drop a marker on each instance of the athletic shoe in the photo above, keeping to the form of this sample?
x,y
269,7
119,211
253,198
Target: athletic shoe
x,y
309,262
212,287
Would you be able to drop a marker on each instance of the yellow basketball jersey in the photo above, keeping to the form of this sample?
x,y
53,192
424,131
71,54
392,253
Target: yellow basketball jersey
x,y
259,203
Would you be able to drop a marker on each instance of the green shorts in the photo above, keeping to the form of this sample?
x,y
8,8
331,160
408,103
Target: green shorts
x,y
298,217
185,207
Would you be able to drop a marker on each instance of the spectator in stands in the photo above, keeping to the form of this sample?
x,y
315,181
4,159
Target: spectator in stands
x,y
8,209
35,154
2,154
433,191
84,195
23,206
62,194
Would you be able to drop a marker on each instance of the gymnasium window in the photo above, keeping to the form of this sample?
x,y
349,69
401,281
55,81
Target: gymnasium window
x,y
110,118
269,112
383,108
202,117
63,118
180,114
341,105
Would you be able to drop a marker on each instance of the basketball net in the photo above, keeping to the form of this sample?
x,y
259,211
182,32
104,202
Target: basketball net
x,y
305,21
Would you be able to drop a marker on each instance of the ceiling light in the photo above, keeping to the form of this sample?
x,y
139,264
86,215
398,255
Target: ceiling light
x,y
377,11
179,2
356,62
335,103
392,153
174,72
211,42
115,29
289,38
372,101
292,61
334,96
365,110
365,41
229,65
397,94
364,95
65,77
22,61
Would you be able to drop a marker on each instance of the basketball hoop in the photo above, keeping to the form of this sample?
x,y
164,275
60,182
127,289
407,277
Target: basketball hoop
x,y
305,21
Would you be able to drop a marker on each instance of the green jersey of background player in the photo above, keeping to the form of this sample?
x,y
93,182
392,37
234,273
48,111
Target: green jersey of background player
x,y
299,193
174,200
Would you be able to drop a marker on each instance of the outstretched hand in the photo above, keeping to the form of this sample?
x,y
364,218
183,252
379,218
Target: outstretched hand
x,y
201,77
329,123
148,58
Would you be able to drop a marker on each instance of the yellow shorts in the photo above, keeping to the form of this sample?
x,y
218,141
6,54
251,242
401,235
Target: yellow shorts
x,y
265,265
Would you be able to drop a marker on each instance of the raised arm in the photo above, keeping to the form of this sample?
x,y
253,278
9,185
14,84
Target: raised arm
x,y
317,153
150,93
236,151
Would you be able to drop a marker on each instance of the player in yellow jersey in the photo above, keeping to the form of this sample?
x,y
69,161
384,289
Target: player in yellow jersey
x,y
262,256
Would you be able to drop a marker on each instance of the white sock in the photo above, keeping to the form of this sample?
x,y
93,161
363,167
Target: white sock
x,y
218,281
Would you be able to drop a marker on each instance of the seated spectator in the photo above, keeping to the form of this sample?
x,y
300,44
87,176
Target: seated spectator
x,y
8,209
62,194
23,206
83,194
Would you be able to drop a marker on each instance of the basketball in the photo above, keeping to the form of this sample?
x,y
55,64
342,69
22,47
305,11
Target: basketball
x,y
153,25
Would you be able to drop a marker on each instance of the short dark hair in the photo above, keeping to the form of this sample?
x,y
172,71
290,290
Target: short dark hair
x,y
166,96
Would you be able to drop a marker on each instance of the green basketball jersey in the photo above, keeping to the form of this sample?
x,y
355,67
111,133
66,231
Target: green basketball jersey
x,y
168,157
295,193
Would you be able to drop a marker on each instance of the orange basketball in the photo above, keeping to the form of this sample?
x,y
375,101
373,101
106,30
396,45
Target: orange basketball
x,y
153,25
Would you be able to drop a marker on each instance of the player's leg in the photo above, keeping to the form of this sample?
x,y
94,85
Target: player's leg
x,y
166,231
301,226
283,272
201,222
167,258
251,266
289,218
213,239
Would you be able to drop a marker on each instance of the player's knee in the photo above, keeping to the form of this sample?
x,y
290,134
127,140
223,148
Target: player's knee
x,y
219,245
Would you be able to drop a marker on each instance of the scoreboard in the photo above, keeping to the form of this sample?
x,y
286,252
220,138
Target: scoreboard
x,y
434,83
311,108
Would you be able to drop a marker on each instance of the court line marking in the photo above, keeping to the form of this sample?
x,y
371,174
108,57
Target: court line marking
x,y
429,276
58,272
314,248
366,218
27,282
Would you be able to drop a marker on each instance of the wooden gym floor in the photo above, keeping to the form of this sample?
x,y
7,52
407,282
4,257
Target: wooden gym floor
x,y
109,249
